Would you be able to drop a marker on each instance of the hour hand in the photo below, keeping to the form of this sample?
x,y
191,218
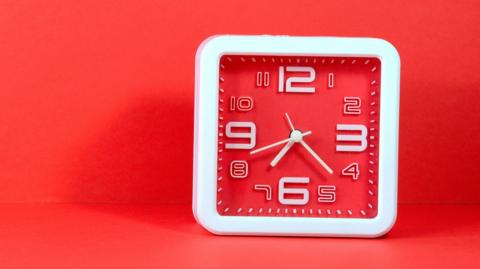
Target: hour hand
x,y
269,146
282,153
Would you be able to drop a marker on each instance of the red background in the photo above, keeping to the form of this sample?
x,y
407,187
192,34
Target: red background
x,y
96,105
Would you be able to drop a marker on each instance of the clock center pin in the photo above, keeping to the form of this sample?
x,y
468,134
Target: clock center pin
x,y
296,136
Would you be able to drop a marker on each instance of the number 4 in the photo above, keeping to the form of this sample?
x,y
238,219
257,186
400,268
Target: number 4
x,y
351,170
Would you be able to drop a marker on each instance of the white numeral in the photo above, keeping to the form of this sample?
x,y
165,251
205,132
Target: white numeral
x,y
331,80
326,193
241,103
250,135
282,190
239,169
351,105
351,170
266,188
296,79
262,79
359,139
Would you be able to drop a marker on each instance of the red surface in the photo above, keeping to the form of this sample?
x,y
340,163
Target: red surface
x,y
91,91
89,236
96,105
318,112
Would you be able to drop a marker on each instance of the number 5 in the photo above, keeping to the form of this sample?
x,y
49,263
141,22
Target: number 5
x,y
326,193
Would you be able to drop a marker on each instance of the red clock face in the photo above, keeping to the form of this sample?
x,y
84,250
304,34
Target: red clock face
x,y
298,136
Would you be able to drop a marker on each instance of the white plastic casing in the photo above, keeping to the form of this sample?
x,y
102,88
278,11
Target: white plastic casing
x,y
206,134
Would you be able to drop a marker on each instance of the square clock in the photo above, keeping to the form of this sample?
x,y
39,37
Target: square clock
x,y
296,136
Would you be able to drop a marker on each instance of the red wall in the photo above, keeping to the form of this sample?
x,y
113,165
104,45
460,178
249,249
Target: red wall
x,y
96,97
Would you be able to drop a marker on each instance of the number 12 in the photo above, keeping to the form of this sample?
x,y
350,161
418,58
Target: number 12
x,y
295,79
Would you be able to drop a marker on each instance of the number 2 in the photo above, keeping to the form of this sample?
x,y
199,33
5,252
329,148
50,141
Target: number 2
x,y
352,105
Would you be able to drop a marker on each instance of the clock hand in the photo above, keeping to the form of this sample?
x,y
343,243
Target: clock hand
x,y
289,122
282,153
276,144
310,150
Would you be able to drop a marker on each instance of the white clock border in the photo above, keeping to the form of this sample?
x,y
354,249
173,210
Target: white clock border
x,y
206,135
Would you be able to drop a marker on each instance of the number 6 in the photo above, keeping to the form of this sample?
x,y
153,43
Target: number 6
x,y
282,190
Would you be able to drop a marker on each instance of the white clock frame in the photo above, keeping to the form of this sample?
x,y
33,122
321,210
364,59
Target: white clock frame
x,y
206,135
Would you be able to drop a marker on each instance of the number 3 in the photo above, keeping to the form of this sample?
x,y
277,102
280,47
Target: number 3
x,y
360,139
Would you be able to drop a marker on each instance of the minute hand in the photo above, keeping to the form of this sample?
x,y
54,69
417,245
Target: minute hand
x,y
310,150
276,144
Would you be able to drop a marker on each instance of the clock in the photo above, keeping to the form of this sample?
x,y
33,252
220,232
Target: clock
x,y
296,136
